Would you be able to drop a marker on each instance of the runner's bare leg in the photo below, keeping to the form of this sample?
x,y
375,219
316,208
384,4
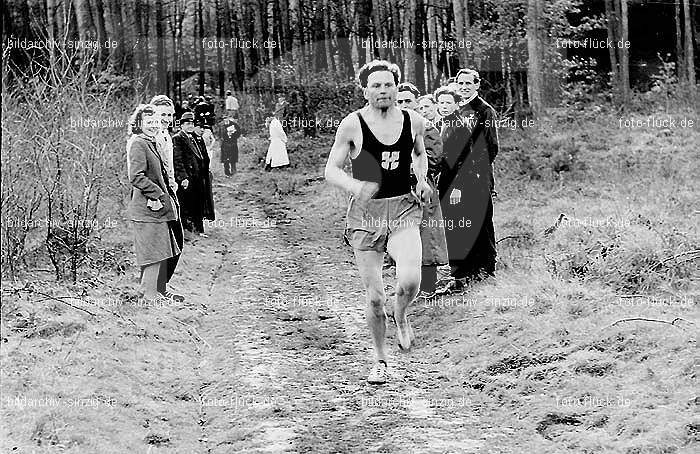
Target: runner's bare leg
x,y
369,264
404,247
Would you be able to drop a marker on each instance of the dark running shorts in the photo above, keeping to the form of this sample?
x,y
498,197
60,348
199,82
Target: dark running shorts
x,y
369,229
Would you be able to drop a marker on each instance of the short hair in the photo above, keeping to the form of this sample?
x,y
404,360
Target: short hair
x,y
429,97
447,91
161,100
136,118
450,80
377,65
408,86
468,71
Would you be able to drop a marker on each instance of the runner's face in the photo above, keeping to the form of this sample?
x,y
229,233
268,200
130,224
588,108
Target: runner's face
x,y
381,90
467,86
406,100
446,104
165,113
427,109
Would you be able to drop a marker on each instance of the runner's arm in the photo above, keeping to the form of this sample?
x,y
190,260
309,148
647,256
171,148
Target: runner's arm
x,y
340,150
420,156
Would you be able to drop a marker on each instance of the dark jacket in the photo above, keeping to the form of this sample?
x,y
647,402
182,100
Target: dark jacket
x,y
187,165
229,144
484,139
206,196
191,162
433,148
470,144
149,181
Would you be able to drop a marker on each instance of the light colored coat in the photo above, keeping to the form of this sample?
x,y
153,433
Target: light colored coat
x,y
147,174
277,151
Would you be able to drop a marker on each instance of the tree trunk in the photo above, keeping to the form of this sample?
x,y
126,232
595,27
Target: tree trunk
x,y
624,56
409,68
287,38
200,23
50,28
139,57
81,19
258,32
535,81
689,55
328,37
219,55
432,53
161,68
680,62
377,25
119,36
613,35
417,49
364,9
345,65
398,32
460,26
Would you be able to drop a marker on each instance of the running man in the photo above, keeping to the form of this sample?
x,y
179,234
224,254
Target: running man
x,y
384,214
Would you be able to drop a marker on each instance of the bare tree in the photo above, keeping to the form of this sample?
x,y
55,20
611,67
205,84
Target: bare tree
x,y
535,82
460,25
680,62
689,55
409,67
624,56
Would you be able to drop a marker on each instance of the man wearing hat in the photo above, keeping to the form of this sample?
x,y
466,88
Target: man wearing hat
x,y
190,161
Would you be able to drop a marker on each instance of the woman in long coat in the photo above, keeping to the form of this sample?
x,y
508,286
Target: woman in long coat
x,y
153,208
277,151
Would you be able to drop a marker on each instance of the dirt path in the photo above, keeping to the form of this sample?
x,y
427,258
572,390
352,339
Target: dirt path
x,y
285,349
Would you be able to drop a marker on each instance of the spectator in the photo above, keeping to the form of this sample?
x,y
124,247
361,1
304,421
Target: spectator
x,y
277,151
231,104
192,174
230,132
153,208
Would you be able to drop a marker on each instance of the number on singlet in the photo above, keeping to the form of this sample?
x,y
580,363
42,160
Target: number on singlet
x,y
390,159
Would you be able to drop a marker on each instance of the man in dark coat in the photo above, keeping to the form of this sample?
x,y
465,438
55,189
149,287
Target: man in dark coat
x,y
207,195
191,162
467,183
230,132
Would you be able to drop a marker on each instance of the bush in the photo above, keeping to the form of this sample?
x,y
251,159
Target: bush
x,y
63,156
630,258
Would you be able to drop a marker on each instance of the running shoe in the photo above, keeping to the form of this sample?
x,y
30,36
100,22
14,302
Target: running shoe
x,y
424,296
174,296
378,374
452,286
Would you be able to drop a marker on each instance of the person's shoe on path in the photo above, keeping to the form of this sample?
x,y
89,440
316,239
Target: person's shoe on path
x,y
378,374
